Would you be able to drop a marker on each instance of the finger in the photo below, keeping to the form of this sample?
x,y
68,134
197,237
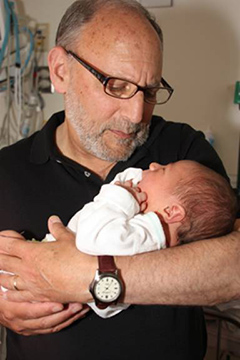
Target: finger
x,y
137,189
22,296
10,281
143,206
144,196
53,320
59,326
13,245
9,264
11,234
81,314
37,310
48,323
58,230
29,310
128,183
141,197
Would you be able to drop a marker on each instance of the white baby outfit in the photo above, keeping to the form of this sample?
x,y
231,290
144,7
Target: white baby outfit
x,y
112,225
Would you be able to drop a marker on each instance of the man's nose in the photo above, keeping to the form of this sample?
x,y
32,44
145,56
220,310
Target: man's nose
x,y
133,108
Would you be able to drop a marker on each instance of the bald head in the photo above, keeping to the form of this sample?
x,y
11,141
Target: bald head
x,y
116,35
82,12
120,37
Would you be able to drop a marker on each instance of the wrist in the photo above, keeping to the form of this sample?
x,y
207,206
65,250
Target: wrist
x,y
85,271
124,264
106,287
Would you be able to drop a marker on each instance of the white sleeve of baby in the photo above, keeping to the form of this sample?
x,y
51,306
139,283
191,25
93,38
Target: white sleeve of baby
x,y
111,225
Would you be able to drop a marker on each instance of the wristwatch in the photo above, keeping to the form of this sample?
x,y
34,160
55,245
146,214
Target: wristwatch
x,y
106,287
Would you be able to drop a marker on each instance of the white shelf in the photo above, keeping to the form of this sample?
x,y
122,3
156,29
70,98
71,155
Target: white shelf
x,y
155,3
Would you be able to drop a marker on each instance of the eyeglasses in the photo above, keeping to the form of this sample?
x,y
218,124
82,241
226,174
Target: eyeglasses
x,y
124,89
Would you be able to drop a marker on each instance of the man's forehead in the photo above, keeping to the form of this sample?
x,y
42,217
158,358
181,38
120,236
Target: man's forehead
x,y
118,28
122,44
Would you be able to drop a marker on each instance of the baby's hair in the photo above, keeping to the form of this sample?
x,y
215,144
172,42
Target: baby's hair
x,y
210,204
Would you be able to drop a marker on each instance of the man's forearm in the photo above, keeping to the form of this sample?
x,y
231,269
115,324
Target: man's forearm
x,y
202,273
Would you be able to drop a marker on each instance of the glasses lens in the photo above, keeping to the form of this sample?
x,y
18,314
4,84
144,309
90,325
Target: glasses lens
x,y
123,89
120,88
156,95
163,96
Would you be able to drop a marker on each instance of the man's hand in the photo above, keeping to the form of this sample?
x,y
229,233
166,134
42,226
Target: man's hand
x,y
136,192
45,270
39,318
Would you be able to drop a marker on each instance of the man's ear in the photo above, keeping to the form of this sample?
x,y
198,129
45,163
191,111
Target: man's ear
x,y
59,70
174,213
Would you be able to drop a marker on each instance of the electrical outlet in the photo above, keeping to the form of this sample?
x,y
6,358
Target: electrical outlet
x,y
42,37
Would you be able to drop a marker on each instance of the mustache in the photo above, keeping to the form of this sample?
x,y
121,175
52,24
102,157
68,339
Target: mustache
x,y
125,126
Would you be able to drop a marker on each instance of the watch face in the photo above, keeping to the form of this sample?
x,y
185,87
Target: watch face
x,y
107,289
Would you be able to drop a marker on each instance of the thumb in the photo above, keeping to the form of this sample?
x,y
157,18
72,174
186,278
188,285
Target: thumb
x,y
58,230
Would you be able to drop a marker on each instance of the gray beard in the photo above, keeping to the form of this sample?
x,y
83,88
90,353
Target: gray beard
x,y
92,138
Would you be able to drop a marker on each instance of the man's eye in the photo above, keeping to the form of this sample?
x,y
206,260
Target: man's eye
x,y
118,87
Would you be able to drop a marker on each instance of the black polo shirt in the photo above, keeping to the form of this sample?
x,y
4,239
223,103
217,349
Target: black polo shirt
x,y
37,181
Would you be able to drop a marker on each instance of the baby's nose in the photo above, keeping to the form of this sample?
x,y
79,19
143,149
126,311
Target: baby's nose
x,y
154,166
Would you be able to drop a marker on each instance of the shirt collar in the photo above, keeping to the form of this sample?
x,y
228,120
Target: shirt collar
x,y
44,141
44,147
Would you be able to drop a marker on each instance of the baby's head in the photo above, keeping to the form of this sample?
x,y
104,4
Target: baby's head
x,y
195,201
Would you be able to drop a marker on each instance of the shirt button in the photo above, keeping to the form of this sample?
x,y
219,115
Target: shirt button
x,y
58,161
87,173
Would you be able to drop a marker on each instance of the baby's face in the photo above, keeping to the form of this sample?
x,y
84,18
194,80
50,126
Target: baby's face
x,y
160,180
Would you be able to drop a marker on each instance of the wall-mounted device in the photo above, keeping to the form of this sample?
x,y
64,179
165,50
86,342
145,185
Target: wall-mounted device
x,y
237,93
237,101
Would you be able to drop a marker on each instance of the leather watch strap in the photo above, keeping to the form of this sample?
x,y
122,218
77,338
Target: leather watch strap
x,y
106,263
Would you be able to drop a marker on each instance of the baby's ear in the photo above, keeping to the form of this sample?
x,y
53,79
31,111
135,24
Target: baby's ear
x,y
174,213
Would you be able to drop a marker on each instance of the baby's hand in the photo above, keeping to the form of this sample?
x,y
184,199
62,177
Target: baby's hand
x,y
136,192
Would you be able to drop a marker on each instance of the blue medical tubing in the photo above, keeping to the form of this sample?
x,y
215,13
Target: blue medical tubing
x,y
31,49
16,33
7,30
10,13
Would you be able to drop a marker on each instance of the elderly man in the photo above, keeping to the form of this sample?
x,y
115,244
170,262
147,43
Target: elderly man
x,y
108,65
